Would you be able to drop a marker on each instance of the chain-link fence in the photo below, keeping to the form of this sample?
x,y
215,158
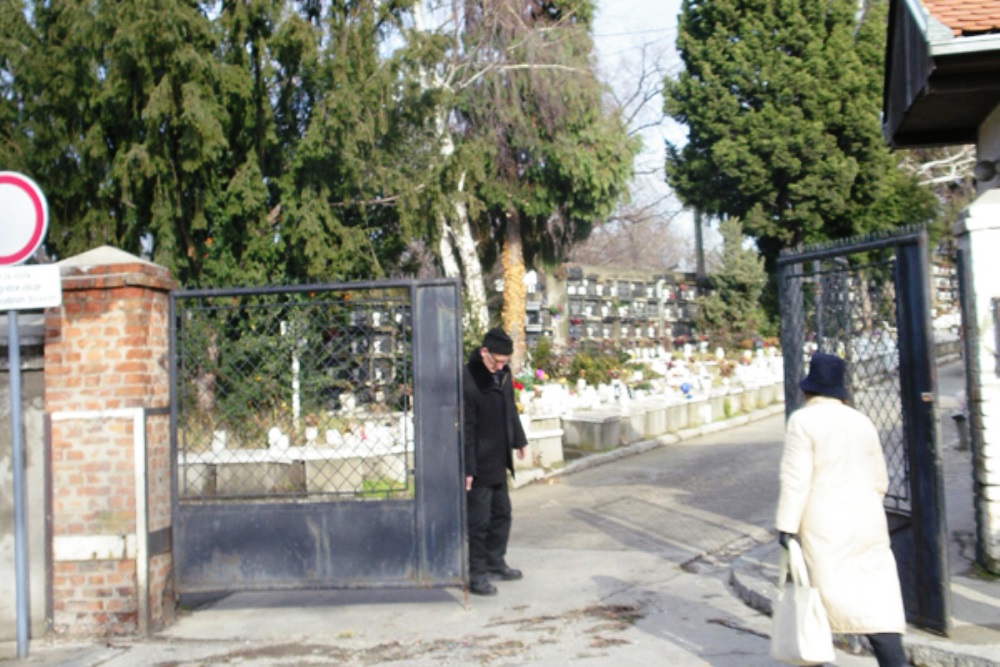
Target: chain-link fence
x,y
845,304
867,300
293,393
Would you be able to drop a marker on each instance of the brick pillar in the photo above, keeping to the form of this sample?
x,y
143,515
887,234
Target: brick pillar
x,y
106,397
978,236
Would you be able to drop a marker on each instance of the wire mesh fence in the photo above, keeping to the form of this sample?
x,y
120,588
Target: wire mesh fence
x,y
846,305
294,393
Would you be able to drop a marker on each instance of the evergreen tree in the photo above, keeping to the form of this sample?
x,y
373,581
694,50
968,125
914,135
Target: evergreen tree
x,y
253,142
782,99
274,142
731,312
356,151
552,160
49,87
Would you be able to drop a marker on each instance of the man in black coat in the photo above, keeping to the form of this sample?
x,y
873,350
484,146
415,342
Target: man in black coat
x,y
492,431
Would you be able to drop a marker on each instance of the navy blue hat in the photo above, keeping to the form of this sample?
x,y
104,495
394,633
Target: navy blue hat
x,y
826,376
498,342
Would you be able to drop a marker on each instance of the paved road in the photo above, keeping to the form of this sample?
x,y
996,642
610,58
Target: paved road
x,y
680,513
625,563
676,502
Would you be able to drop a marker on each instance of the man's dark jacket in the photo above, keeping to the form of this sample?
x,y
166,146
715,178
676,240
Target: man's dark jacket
x,y
492,427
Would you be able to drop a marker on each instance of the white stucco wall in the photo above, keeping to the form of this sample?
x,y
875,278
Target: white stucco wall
x,y
978,238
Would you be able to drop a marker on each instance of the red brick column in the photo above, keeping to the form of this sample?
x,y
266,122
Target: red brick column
x,y
106,395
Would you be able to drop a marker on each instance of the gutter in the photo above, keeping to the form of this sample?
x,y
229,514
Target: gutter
x,y
964,46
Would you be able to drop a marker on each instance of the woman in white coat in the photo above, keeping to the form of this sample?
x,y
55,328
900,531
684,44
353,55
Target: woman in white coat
x,y
833,480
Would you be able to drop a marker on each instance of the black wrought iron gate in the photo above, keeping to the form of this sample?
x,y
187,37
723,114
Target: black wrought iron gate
x,y
866,300
315,435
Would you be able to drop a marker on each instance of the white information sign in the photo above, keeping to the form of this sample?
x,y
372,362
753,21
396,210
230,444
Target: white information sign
x,y
30,287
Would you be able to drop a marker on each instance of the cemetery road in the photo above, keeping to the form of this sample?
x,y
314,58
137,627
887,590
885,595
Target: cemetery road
x,y
624,564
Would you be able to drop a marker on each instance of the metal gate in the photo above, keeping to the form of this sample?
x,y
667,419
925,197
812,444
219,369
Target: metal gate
x,y
866,300
315,437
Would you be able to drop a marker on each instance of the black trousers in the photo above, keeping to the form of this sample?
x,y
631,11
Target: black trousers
x,y
888,649
488,516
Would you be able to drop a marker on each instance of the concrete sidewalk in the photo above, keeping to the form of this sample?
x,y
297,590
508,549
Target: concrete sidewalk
x,y
975,637
581,605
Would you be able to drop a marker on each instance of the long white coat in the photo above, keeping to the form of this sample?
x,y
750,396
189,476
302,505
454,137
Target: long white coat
x,y
833,480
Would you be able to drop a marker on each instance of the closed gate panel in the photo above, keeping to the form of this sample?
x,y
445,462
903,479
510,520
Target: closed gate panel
x,y
293,546
315,437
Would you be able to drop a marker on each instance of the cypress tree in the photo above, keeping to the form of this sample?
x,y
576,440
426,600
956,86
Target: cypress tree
x,y
731,310
553,161
782,100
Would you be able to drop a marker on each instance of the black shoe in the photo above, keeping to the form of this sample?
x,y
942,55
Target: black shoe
x,y
506,572
482,587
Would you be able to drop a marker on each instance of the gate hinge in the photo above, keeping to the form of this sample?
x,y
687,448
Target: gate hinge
x,y
927,396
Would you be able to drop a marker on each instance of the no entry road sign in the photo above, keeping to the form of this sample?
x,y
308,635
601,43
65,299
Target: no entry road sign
x,y
24,218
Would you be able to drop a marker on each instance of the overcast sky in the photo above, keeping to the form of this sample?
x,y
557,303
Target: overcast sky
x,y
623,31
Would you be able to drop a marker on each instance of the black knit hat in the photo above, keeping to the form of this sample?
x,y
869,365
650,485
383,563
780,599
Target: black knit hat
x,y
826,376
498,342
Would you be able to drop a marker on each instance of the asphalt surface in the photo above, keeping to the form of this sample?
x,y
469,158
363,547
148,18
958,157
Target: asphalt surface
x,y
629,560
974,638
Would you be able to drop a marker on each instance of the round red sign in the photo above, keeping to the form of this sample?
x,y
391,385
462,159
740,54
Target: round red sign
x,y
24,218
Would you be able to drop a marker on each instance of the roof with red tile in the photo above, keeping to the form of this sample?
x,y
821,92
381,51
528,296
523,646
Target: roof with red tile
x,y
966,18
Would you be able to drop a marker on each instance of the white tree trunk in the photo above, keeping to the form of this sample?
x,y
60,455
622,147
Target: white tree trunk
x,y
449,263
457,247
459,257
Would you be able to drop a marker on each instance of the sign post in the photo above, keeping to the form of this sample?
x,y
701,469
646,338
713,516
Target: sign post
x,y
24,219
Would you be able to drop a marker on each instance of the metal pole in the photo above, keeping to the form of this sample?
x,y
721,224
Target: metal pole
x,y
820,333
17,459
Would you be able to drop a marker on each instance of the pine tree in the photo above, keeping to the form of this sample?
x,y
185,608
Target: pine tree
x,y
355,150
261,143
273,142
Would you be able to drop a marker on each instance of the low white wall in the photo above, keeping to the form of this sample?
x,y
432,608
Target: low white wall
x,y
606,429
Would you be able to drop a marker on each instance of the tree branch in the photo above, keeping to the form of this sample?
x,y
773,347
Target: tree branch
x,y
504,68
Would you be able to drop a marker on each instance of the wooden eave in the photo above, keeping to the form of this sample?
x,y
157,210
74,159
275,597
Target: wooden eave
x,y
938,88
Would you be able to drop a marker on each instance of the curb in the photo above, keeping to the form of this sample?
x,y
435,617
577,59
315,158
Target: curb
x,y
748,582
593,460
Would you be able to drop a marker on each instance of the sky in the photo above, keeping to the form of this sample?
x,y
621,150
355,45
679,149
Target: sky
x,y
623,31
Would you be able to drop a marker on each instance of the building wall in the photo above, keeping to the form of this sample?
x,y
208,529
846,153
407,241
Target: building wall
x,y
604,304
978,235
978,238
988,147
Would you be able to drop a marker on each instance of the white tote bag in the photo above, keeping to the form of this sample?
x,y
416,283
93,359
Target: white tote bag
x,y
800,631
